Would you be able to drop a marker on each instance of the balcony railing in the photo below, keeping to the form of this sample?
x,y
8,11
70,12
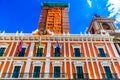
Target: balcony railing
x,y
20,54
78,55
109,76
39,55
57,54
34,75
80,76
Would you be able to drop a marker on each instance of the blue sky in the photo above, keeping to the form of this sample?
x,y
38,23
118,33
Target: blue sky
x,y
23,15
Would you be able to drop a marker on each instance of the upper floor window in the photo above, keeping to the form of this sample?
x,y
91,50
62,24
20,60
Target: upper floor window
x,y
57,52
2,50
77,52
101,52
39,52
22,52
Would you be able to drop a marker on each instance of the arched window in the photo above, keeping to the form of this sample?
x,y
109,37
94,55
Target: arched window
x,y
106,26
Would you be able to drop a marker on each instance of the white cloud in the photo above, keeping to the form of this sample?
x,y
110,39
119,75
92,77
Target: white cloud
x,y
114,9
89,2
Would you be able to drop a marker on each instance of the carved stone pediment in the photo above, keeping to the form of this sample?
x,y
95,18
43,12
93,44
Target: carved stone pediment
x,y
37,63
57,63
105,63
78,63
18,63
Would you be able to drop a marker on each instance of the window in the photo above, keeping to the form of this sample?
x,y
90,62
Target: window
x,y
119,44
22,53
101,52
57,72
36,73
16,72
117,47
92,30
57,52
108,73
2,50
77,52
39,52
79,70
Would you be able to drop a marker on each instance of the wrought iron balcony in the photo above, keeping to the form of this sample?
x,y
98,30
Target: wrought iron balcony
x,y
80,76
34,75
77,54
57,54
39,55
20,54
109,76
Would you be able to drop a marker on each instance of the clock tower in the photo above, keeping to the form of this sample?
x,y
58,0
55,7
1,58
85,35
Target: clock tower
x,y
101,25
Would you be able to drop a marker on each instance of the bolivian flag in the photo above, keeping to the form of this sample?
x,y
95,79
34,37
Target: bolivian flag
x,y
39,44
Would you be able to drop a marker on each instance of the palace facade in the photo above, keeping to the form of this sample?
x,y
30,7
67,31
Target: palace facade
x,y
95,55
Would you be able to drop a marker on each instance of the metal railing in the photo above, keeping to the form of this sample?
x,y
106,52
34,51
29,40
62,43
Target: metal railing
x,y
80,55
57,55
39,55
34,75
80,76
109,75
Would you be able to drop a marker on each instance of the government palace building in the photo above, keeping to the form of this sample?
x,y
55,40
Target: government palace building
x,y
51,52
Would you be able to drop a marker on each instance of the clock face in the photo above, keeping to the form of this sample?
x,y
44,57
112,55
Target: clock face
x,y
106,26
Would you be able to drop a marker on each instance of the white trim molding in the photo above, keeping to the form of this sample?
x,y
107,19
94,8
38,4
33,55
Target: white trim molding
x,y
0,62
18,63
24,45
79,63
4,45
100,46
106,63
76,46
57,63
37,63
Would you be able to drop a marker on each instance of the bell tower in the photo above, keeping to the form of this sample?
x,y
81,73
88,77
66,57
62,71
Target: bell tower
x,y
54,18
101,25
